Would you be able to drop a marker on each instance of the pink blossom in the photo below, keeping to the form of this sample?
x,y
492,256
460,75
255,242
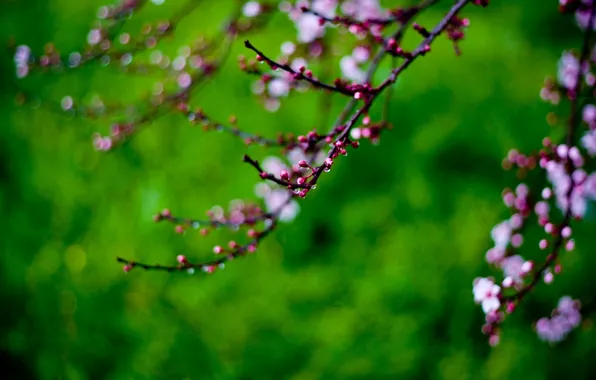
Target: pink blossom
x,y
288,48
251,9
589,142
501,234
564,318
350,70
487,293
363,9
512,267
308,25
184,80
582,15
22,55
273,164
516,221
278,200
568,70
495,255
94,36
589,114
278,87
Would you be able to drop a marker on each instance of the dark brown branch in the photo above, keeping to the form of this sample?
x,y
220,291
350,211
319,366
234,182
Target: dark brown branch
x,y
297,75
424,47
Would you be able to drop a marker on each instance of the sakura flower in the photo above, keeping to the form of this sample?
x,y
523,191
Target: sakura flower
x,y
501,234
582,15
251,9
350,70
363,9
278,201
487,292
308,25
512,267
564,318
568,70
589,142
589,114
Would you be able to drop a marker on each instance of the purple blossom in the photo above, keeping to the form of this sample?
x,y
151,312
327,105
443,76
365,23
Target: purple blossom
x,y
564,318
589,142
582,15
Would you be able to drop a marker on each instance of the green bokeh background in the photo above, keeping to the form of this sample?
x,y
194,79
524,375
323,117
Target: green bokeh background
x,y
373,279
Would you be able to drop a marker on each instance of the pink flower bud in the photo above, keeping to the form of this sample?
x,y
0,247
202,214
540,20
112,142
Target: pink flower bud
x,y
493,340
517,240
562,151
570,245
509,199
527,267
510,307
566,232
507,282
549,228
548,278
181,259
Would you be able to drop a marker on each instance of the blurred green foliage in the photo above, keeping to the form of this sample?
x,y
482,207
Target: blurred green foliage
x,y
373,280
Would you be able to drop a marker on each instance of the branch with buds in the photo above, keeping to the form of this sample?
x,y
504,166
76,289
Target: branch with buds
x,y
569,188
564,168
